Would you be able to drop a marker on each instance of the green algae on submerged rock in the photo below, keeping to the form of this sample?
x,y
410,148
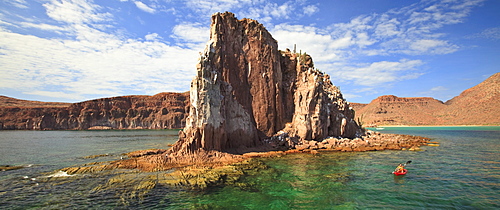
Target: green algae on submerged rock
x,y
135,184
9,167
202,178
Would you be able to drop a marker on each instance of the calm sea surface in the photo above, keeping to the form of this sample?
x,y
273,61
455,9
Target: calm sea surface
x,y
462,173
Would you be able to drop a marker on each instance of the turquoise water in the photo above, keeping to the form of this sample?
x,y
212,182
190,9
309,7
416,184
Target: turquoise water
x,y
462,173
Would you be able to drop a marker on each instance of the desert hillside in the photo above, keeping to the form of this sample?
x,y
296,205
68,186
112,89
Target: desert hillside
x,y
479,105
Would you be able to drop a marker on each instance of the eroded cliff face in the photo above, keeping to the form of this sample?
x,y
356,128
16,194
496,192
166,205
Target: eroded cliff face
x,y
161,111
320,110
246,90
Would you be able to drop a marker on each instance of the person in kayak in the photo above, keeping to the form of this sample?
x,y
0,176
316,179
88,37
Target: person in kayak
x,y
400,168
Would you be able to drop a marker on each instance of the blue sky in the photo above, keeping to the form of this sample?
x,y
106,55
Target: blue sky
x,y
76,50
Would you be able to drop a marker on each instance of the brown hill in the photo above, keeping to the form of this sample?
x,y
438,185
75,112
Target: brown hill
x,y
392,110
163,110
479,105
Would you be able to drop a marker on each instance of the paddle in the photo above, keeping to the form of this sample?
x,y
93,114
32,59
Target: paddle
x,y
407,162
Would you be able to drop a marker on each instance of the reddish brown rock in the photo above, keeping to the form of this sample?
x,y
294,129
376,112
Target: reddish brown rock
x,y
319,107
246,90
161,111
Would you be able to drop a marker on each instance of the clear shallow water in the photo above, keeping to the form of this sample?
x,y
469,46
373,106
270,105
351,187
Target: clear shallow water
x,y
462,173
66,148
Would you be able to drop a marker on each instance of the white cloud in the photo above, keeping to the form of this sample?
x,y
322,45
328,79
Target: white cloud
x,y
43,26
262,10
75,11
363,40
387,27
438,88
90,62
436,92
207,8
489,33
311,40
342,43
350,96
55,94
18,3
84,68
279,11
378,73
191,32
369,50
431,46
152,37
310,10
410,30
396,34
144,7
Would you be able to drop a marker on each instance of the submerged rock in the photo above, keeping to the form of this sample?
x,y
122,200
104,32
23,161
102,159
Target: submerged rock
x,y
9,167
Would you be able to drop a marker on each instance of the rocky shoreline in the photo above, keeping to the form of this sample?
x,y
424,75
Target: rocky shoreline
x,y
205,169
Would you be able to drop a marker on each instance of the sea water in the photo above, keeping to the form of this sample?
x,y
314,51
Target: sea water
x,y
462,173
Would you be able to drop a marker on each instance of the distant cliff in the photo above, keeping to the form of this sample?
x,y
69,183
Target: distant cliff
x,y
479,105
161,111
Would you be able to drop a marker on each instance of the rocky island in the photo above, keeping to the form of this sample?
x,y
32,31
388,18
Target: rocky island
x,y
249,100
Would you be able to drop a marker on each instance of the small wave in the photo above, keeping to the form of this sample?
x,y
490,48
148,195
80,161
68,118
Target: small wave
x,y
59,174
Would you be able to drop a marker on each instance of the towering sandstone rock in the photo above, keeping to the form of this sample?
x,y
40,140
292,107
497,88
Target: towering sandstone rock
x,y
246,90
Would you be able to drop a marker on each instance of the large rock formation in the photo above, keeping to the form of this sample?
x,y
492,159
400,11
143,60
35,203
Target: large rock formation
x,y
246,90
161,111
478,105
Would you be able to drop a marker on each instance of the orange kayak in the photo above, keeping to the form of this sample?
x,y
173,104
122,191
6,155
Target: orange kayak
x,y
400,173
